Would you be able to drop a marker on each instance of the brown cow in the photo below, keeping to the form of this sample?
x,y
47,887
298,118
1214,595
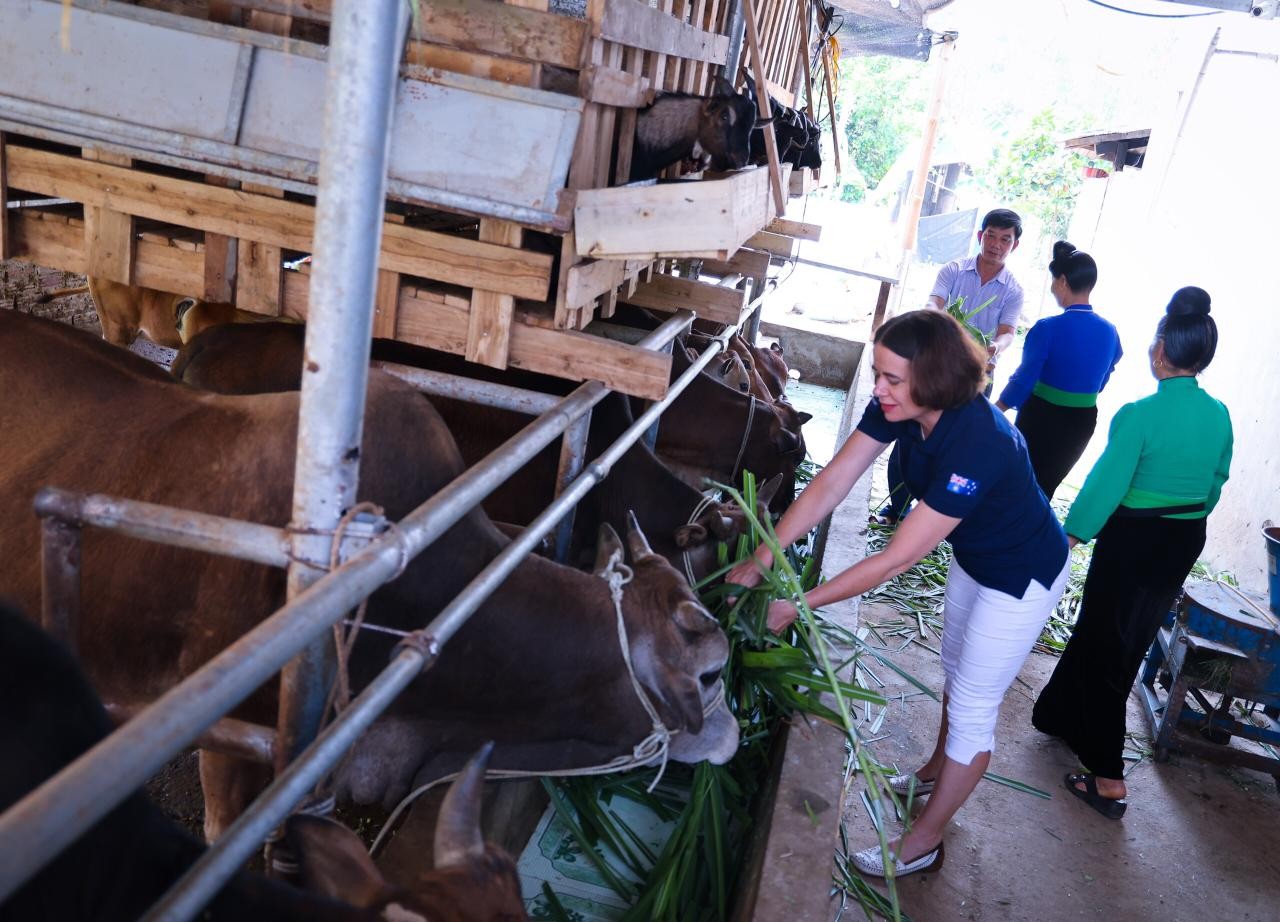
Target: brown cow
x,y
538,668
130,857
267,358
126,310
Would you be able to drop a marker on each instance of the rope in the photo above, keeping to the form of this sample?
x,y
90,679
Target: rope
x,y
746,434
706,503
345,640
654,746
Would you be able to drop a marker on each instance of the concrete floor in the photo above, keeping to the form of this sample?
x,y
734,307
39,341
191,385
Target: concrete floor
x,y
1199,841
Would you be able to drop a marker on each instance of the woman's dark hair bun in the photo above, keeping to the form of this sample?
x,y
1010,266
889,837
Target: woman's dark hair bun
x,y
1078,267
1189,302
1062,250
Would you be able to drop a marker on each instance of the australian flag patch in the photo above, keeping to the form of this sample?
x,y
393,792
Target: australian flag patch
x,y
964,486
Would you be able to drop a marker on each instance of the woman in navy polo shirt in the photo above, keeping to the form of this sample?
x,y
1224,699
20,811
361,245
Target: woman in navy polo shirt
x,y
1066,362
970,470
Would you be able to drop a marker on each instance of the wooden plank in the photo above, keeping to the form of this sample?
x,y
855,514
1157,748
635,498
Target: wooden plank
x,y
770,141
632,63
708,218
657,63
882,305
675,65
754,264
702,73
108,234
634,23
489,325
802,51
6,236
797,229
290,225
386,304
488,67
535,75
593,278
562,353
777,244
711,302
689,74
613,86
831,101
504,30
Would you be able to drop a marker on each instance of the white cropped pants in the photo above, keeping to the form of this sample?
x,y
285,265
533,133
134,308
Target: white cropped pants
x,y
986,637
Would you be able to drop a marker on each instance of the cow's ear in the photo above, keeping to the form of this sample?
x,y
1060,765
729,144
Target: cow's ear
x,y
690,535
723,87
784,440
608,544
636,541
804,417
766,493
333,861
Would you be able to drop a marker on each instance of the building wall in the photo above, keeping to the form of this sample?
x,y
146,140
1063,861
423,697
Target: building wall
x,y
1205,210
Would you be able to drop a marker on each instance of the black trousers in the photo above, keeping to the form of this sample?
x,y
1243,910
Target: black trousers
x,y
1138,567
1056,438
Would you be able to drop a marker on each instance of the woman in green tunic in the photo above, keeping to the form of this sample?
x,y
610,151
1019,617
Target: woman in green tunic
x,y
1146,500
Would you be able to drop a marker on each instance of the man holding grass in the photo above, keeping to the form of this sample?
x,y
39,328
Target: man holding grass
x,y
992,304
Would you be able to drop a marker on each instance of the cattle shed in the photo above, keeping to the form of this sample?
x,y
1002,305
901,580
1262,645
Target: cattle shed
x,y
471,161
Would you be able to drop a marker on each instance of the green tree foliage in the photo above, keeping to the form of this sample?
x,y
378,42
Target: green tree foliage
x,y
1036,173
887,97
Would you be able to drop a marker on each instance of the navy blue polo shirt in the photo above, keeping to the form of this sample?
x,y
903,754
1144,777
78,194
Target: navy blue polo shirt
x,y
974,466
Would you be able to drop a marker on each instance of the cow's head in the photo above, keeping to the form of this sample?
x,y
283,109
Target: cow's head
x,y
471,882
725,521
724,130
677,649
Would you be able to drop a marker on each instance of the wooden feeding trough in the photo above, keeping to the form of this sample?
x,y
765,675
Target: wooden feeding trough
x,y
174,144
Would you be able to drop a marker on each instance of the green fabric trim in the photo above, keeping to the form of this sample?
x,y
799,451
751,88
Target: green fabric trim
x,y
1061,398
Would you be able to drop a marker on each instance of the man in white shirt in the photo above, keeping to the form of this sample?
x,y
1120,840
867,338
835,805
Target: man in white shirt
x,y
979,279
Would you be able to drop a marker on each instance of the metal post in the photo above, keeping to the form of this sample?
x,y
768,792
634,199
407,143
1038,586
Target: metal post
x,y
735,28
60,580
573,452
366,39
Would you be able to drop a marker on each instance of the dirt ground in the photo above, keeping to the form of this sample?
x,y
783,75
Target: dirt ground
x,y
1199,840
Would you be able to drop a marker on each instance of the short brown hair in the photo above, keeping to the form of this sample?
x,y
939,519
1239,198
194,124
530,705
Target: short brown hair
x,y
948,367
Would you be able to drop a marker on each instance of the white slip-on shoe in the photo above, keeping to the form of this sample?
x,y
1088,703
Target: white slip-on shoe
x,y
901,784
869,861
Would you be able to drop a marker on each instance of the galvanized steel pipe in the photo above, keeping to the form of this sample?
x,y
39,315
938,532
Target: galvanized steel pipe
x,y
365,43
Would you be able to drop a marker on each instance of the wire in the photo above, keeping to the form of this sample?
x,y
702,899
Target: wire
x,y
1120,9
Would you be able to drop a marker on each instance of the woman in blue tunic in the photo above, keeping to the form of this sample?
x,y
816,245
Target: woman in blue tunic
x,y
969,468
1066,361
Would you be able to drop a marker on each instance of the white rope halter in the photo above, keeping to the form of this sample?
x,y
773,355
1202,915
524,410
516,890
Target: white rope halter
x,y
655,746
746,434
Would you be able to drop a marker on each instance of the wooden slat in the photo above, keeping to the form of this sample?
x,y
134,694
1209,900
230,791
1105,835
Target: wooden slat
x,y
590,279
797,229
504,30
702,73
286,224
675,65
6,236
770,141
777,244
754,264
488,67
632,63
711,302
613,86
386,304
710,218
108,234
562,353
631,22
489,326
802,50
831,101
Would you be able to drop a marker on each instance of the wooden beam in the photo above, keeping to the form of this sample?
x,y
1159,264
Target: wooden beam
x,y
777,244
108,234
882,305
798,229
802,49
612,86
386,304
487,67
831,103
634,23
711,302
6,235
754,264
489,325
590,279
770,141
504,30
286,224
562,353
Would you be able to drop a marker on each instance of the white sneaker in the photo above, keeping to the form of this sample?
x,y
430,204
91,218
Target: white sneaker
x,y
870,861
901,784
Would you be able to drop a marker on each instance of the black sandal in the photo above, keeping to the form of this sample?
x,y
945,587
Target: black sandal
x,y
1109,807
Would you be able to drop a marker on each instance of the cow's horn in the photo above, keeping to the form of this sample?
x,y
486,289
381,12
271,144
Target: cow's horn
x,y
636,540
458,826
